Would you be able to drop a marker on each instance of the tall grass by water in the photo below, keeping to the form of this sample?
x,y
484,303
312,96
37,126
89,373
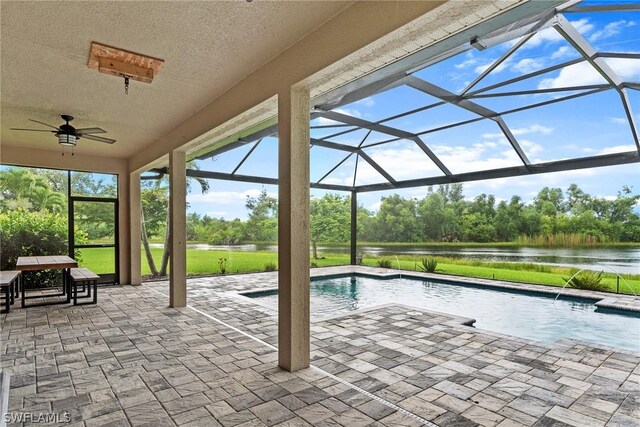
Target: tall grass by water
x,y
562,240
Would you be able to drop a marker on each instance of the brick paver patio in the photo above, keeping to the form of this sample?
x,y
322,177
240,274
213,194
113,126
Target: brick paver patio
x,y
130,360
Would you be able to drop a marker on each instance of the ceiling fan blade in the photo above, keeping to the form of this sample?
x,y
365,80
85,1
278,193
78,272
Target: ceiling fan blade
x,y
34,130
42,123
98,138
90,130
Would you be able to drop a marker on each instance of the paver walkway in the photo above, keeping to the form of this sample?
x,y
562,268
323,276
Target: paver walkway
x,y
130,360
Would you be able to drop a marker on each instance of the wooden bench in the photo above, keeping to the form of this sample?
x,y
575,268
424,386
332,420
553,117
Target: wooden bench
x,y
10,284
87,279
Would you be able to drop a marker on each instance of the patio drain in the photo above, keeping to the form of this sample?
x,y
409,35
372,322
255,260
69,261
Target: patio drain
x,y
338,379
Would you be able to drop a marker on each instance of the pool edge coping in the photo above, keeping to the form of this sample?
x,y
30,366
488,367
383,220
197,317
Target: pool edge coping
x,y
620,302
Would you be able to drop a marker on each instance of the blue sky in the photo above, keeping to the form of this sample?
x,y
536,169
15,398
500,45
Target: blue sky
x,y
582,127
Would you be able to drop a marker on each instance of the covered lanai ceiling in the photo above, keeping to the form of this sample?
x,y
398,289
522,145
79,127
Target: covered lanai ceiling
x,y
427,116
207,47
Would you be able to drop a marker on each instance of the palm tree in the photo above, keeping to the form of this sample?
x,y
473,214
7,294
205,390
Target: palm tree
x,y
145,245
18,183
43,198
204,187
22,188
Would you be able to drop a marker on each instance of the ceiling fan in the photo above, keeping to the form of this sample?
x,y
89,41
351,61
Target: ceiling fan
x,y
68,135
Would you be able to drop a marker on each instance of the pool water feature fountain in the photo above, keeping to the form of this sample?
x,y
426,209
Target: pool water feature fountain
x,y
399,270
586,269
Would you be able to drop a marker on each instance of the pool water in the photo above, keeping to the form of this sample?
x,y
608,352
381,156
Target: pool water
x,y
530,316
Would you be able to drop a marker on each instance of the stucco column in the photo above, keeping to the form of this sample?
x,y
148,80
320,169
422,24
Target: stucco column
x,y
135,208
293,229
178,224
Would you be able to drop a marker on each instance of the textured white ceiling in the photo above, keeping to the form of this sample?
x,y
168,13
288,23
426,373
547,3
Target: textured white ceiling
x,y
207,47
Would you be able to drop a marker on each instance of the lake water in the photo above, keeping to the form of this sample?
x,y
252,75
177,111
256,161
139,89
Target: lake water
x,y
540,318
621,260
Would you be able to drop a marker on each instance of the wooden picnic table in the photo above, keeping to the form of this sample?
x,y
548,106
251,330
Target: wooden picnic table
x,y
49,262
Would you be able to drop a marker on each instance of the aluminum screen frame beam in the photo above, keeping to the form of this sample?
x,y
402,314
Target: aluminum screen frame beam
x,y
244,159
452,98
377,127
534,169
257,179
497,63
356,150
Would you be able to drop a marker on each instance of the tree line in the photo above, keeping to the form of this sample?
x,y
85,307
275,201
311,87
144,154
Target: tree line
x,y
443,215
572,217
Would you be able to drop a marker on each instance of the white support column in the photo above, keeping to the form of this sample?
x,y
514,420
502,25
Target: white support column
x,y
178,224
293,229
135,210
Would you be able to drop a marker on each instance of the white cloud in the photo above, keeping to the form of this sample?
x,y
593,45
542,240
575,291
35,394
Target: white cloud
x,y
488,144
404,161
535,128
574,75
468,62
584,74
617,149
611,29
353,112
628,69
562,52
551,35
530,147
482,68
225,198
479,156
528,65
619,120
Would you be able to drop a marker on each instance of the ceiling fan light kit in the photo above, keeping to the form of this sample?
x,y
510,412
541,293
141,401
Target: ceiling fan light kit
x,y
67,140
67,135
123,63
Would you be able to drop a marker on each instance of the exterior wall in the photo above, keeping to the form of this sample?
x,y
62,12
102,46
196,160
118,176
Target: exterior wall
x,y
12,155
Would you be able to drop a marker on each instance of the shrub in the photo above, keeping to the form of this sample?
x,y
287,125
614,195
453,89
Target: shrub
x,y
222,263
384,263
428,264
314,264
588,280
33,234
270,266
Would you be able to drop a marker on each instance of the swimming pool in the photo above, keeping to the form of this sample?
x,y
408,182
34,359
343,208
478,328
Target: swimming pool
x,y
519,314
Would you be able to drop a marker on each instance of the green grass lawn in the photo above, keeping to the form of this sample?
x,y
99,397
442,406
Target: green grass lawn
x,y
200,262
